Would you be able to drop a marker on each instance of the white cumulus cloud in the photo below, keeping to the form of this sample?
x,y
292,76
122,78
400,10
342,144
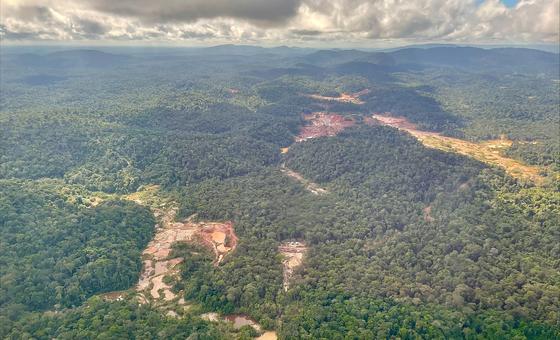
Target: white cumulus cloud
x,y
280,21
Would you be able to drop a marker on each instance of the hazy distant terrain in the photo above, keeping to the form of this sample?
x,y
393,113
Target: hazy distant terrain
x,y
315,194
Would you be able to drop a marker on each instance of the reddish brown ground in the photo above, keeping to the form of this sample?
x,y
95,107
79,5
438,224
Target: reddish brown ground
x,y
219,237
319,124
157,263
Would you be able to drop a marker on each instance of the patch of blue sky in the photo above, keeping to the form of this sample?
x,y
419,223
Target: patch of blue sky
x,y
508,3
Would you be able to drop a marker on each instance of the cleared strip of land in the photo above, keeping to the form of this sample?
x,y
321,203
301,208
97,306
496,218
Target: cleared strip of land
x,y
310,186
353,98
487,151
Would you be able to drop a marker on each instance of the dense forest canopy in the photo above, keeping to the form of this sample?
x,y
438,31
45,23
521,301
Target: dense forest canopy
x,y
402,240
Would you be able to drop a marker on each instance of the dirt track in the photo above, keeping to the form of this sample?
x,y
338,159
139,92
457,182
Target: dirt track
x,y
310,186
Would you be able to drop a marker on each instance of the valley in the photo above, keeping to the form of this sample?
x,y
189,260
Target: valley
x,y
236,192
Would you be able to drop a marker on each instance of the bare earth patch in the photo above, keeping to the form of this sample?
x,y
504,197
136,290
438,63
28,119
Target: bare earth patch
x,y
428,214
211,316
319,124
114,296
293,253
160,270
156,262
233,90
158,265
488,151
219,237
310,186
238,321
353,98
268,336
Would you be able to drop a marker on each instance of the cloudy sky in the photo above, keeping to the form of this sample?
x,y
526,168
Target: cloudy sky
x,y
278,22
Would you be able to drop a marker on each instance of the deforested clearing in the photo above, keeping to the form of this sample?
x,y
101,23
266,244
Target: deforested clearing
x,y
156,261
353,98
320,124
293,253
487,151
158,264
219,237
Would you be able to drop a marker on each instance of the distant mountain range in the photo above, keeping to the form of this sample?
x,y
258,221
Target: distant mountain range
x,y
69,59
519,60
468,58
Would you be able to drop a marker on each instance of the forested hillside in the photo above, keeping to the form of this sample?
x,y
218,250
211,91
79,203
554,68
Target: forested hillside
x,y
396,239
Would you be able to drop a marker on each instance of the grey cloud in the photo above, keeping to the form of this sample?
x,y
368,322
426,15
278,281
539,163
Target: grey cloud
x,y
410,24
275,21
90,27
6,34
197,35
33,13
306,32
260,12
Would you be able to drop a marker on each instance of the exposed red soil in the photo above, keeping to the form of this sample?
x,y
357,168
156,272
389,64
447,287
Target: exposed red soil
x,y
319,124
219,237
157,264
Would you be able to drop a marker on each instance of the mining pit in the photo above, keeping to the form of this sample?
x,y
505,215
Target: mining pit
x,y
293,253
